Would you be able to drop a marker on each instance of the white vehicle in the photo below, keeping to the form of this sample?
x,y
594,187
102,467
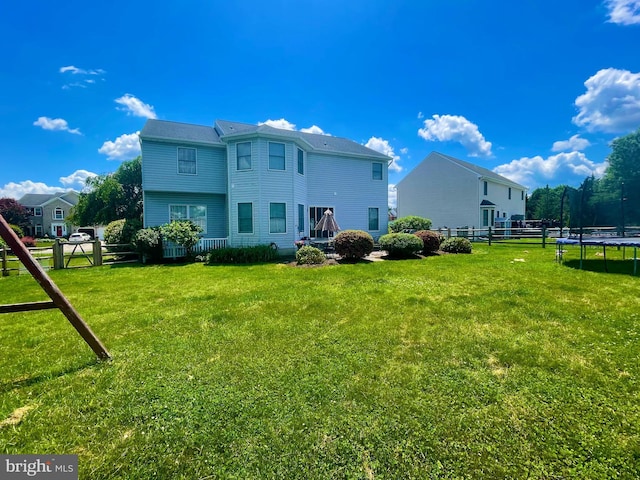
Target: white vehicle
x,y
79,237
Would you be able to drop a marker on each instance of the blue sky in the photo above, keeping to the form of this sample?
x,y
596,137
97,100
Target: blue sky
x,y
535,91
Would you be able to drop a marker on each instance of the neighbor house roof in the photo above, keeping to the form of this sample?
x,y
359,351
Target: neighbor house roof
x,y
481,171
183,132
40,199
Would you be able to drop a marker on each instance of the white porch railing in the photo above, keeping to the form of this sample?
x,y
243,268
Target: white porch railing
x,y
171,250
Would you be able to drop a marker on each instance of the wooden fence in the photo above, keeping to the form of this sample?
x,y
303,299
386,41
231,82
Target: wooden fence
x,y
62,255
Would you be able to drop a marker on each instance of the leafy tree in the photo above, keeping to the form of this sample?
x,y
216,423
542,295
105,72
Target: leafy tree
x,y
14,213
182,232
624,167
113,196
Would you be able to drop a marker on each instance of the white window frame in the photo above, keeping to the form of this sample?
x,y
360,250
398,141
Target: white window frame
x,y
238,217
38,230
300,156
285,218
250,157
284,157
54,213
373,171
195,150
37,211
188,217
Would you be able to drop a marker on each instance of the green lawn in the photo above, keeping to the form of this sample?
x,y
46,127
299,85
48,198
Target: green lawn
x,y
499,364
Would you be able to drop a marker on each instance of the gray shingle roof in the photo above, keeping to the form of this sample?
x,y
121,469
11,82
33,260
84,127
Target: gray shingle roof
x,y
483,172
35,199
185,132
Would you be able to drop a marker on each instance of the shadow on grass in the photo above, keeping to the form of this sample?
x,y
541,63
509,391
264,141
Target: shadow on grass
x,y
623,267
42,377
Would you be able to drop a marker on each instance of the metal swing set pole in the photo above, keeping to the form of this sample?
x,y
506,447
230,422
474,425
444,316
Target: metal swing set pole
x,y
58,300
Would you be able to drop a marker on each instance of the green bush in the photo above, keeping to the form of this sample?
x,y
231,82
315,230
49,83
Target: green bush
x,y
235,255
353,244
430,241
409,223
148,243
121,232
400,245
17,229
182,232
456,245
309,255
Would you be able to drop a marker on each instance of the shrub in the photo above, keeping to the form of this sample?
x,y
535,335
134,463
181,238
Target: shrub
x,y
353,244
410,223
456,245
430,240
400,245
309,255
148,243
29,241
121,232
182,232
255,254
17,229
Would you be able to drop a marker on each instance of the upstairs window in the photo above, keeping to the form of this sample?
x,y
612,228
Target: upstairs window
x,y
276,156
300,162
522,195
37,211
58,213
243,155
486,187
509,193
376,171
187,161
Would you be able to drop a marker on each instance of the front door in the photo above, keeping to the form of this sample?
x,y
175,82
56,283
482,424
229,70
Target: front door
x,y
58,231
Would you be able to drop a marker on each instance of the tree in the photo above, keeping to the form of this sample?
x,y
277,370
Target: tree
x,y
113,196
14,213
624,167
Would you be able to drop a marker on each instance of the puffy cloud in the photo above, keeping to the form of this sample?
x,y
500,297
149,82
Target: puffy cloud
x,y
624,12
537,171
420,115
574,144
125,147
392,195
81,71
17,190
135,106
282,124
611,103
404,150
56,124
315,129
77,178
456,128
382,146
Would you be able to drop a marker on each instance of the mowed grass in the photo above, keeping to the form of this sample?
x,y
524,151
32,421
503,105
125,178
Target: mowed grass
x,y
499,364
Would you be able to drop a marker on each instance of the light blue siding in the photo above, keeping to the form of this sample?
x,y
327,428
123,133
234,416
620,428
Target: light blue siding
x,y
160,169
156,209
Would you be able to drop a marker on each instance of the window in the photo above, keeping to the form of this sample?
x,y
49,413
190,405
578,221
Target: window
x,y
37,211
522,195
376,171
509,193
58,213
196,213
300,162
486,187
243,154
245,218
277,218
374,219
276,156
38,230
485,218
187,161
300,218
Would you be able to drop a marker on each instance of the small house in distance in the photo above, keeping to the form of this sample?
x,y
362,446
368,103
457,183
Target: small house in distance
x,y
454,193
49,212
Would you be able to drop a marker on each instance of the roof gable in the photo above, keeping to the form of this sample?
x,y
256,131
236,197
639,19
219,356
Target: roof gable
x,y
179,132
41,199
481,171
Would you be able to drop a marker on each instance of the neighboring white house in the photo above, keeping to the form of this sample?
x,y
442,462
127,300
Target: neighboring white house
x,y
454,193
255,184
49,212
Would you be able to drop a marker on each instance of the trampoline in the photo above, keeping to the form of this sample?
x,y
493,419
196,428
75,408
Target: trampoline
x,y
603,242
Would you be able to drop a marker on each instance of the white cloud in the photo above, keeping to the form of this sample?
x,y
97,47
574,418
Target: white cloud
x,y
56,124
282,124
315,129
77,179
456,128
382,146
574,144
404,150
624,12
392,195
536,171
17,190
611,103
135,106
420,115
81,71
125,147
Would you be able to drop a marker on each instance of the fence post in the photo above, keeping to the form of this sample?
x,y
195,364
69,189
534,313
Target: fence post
x,y
544,237
97,253
5,272
58,255
489,236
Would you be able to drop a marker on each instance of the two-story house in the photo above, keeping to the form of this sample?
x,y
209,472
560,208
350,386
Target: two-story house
x,y
255,184
455,193
49,213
